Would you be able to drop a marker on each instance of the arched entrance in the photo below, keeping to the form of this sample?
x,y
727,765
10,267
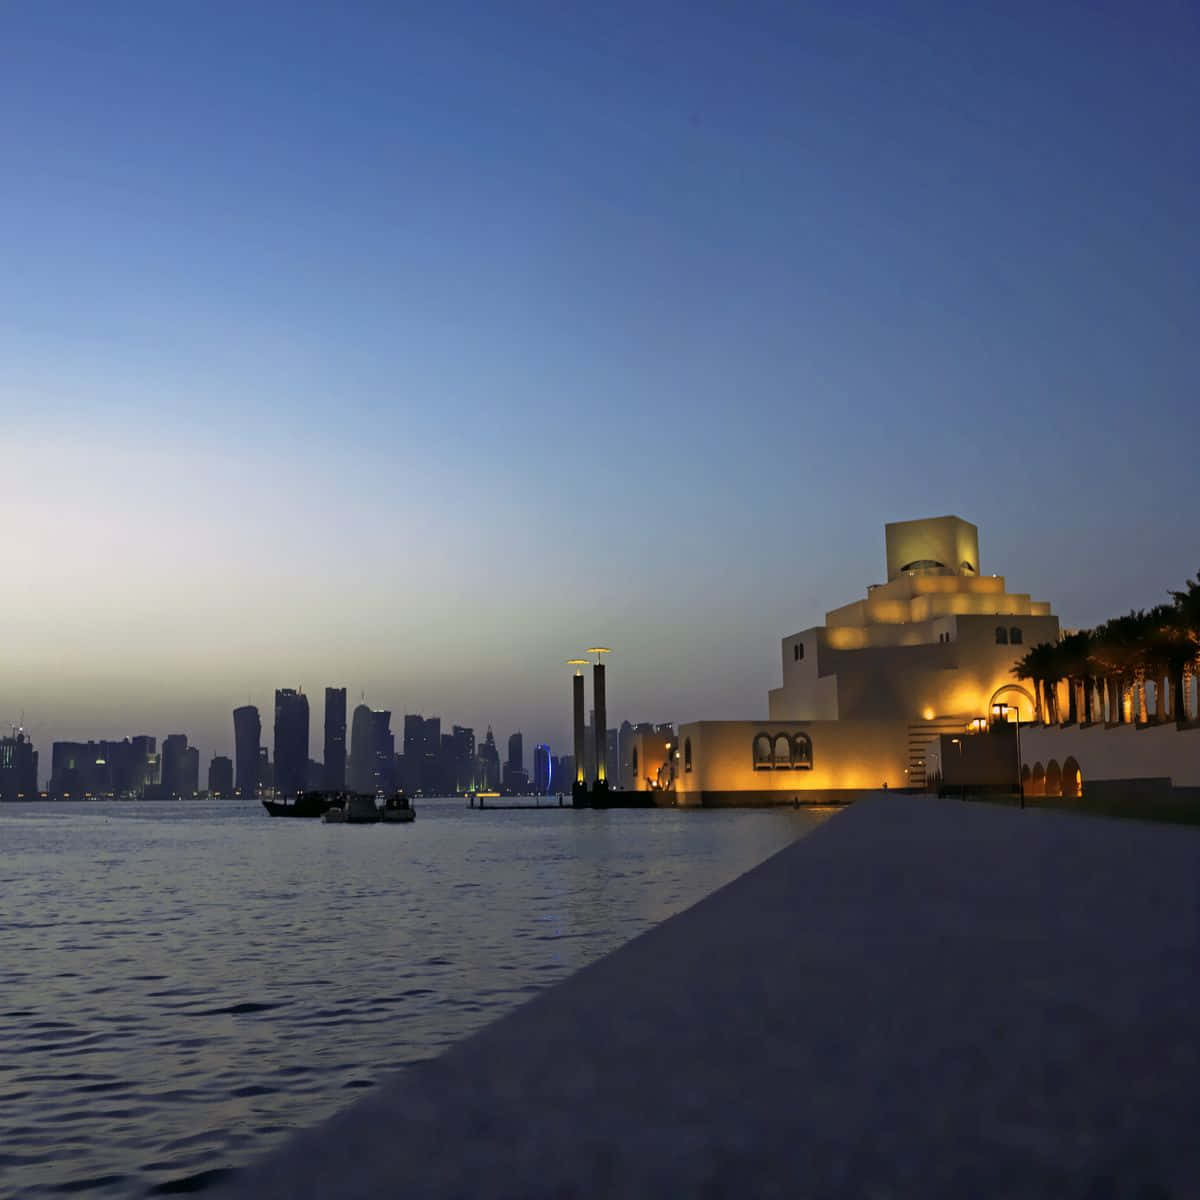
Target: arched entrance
x,y
1015,696
1072,780
1053,778
1037,781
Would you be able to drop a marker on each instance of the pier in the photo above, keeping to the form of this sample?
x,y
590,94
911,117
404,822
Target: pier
x,y
920,998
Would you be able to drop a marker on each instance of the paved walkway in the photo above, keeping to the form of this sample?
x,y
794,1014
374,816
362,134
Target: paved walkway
x,y
921,998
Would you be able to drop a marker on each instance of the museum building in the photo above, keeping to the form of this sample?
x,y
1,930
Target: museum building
x,y
864,694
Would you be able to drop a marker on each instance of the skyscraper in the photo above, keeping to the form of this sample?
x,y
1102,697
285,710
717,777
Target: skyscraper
x,y
515,777
247,736
360,751
382,753
291,741
542,776
489,763
335,739
463,749
18,767
176,772
220,776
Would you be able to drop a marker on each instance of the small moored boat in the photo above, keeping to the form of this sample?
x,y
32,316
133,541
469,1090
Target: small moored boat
x,y
398,810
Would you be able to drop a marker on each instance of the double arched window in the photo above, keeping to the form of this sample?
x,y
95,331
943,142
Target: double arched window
x,y
1001,636
1014,635
782,752
687,754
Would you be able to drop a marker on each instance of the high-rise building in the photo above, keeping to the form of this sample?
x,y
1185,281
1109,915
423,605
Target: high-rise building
x,y
18,767
334,774
516,751
360,751
176,766
291,741
514,776
489,764
191,771
542,771
247,740
463,752
220,776
422,752
382,753
265,773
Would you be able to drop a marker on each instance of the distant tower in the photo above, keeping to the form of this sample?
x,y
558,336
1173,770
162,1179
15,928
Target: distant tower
x,y
220,777
516,751
335,739
175,765
360,751
600,701
291,741
247,736
542,777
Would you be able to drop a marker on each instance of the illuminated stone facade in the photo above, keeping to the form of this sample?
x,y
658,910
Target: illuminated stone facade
x,y
922,654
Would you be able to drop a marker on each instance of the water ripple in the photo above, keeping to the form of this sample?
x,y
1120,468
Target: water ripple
x,y
185,984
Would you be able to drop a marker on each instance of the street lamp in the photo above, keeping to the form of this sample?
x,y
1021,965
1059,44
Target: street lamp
x,y
1002,710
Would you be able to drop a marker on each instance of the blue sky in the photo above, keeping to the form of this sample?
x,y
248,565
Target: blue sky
x,y
413,347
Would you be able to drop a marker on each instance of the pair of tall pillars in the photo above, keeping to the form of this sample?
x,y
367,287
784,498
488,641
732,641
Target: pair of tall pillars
x,y
600,699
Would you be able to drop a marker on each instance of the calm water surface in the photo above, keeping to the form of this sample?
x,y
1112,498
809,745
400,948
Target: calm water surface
x,y
182,984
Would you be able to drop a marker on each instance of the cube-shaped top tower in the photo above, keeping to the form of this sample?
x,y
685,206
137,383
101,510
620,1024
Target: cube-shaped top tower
x,y
944,545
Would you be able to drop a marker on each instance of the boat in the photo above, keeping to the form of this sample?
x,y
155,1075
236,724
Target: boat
x,y
398,810
307,804
352,810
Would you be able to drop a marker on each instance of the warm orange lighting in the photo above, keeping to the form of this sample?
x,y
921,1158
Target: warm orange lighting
x,y
928,714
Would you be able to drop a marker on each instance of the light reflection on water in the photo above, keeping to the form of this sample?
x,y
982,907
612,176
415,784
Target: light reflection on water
x,y
181,984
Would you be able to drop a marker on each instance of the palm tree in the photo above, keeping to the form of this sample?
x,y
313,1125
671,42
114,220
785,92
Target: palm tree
x,y
1074,651
1040,664
1119,650
1185,632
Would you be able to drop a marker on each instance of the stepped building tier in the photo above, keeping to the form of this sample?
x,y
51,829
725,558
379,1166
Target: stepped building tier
x,y
936,640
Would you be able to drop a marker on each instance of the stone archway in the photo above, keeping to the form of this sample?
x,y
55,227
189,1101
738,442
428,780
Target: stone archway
x,y
1014,694
1037,781
1053,778
1072,780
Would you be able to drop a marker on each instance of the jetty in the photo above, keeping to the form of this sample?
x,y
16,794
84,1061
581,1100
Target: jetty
x,y
921,998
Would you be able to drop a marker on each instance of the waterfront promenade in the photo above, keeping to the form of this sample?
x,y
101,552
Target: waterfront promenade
x,y
920,998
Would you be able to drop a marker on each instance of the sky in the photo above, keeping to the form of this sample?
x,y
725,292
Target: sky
x,y
415,347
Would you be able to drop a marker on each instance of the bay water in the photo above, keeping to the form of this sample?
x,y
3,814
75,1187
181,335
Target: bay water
x,y
182,984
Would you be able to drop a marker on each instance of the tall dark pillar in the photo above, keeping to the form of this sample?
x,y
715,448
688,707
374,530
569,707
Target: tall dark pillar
x,y
598,700
580,752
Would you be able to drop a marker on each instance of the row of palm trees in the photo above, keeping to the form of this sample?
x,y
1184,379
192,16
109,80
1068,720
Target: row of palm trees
x,y
1106,670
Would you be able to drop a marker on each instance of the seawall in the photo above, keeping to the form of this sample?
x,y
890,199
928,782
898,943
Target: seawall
x,y
920,998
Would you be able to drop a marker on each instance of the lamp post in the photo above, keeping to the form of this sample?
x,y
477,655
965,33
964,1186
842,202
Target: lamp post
x,y
1003,711
962,787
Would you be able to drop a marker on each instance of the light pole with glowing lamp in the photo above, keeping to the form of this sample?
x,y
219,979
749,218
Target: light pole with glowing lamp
x,y
1001,711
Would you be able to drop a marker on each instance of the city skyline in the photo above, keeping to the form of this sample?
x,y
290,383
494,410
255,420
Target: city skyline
x,y
632,323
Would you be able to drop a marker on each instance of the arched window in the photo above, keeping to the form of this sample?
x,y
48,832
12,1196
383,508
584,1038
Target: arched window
x,y
782,753
1053,779
687,754
967,567
1014,635
1037,781
762,752
923,564
1001,636
802,752
797,651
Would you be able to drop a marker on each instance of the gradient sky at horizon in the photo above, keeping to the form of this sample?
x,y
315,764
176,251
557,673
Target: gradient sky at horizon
x,y
413,347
